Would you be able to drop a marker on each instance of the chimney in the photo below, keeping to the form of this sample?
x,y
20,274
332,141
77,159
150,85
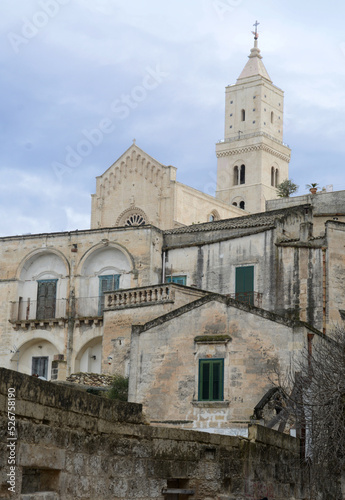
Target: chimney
x,y
305,231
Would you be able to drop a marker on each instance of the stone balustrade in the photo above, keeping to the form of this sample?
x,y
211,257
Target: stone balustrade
x,y
156,294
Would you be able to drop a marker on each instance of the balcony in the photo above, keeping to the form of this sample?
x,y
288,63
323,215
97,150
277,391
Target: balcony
x,y
249,136
144,296
25,314
251,298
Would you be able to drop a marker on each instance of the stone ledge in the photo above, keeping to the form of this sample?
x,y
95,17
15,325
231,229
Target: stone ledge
x,y
211,404
40,495
212,339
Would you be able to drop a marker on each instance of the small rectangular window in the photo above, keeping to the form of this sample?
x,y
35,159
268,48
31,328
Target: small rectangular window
x,y
39,366
211,379
179,280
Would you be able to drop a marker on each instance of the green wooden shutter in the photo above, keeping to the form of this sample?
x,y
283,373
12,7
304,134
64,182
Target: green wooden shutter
x,y
107,283
180,280
244,286
211,379
46,299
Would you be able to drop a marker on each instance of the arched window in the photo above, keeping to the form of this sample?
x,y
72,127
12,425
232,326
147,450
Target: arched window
x,y
243,115
272,116
236,176
243,174
272,176
242,205
235,204
135,220
132,217
276,178
214,215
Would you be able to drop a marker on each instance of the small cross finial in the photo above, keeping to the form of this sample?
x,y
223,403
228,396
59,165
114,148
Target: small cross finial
x,y
255,33
134,141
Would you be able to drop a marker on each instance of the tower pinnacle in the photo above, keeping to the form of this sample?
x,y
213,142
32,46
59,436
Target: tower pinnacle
x,y
254,66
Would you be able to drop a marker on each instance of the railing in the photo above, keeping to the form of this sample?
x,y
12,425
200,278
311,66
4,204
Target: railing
x,y
26,310
92,307
139,296
252,298
253,134
88,307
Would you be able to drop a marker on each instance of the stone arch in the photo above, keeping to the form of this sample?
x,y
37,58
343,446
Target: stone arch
x,y
89,357
30,257
43,284
236,176
239,202
106,264
242,174
276,180
213,216
274,175
39,346
147,167
133,216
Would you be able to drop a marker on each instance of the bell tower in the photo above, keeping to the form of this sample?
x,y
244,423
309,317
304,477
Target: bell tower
x,y
252,158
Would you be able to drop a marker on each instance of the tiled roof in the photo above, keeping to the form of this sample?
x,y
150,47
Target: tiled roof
x,y
264,219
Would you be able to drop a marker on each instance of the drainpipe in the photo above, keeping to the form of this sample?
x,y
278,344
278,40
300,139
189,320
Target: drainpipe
x,y
163,266
70,330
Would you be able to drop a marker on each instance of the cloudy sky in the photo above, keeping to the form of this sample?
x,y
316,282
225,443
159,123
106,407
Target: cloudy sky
x,y
113,70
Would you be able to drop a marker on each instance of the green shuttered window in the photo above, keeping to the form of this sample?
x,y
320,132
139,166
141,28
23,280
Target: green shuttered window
x,y
211,379
180,280
244,287
46,299
107,283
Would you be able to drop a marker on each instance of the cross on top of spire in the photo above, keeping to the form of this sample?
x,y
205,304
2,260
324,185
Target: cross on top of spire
x,y
255,33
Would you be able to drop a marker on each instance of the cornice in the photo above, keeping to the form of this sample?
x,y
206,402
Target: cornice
x,y
249,149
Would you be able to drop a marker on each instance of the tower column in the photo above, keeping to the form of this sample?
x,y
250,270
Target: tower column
x,y
252,155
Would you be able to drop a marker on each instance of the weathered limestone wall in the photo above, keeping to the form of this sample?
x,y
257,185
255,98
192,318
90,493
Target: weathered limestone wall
x,y
334,275
165,358
299,290
325,207
193,206
288,263
118,323
71,445
75,260
212,266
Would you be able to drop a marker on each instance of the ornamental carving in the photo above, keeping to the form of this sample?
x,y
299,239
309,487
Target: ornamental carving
x,y
133,216
249,149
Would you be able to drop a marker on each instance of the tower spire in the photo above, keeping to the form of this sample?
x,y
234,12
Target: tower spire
x,y
255,66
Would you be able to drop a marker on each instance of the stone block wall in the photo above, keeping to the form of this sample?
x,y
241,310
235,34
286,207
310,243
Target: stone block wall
x,y
71,445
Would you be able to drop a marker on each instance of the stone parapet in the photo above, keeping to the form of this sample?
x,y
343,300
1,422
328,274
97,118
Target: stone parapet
x,y
72,445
